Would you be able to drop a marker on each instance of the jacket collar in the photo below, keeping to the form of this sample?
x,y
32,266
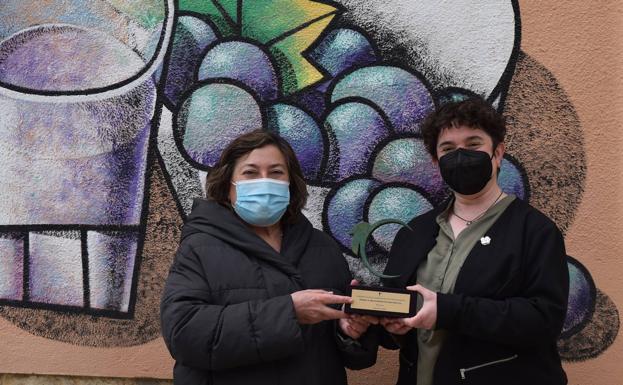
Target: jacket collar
x,y
220,222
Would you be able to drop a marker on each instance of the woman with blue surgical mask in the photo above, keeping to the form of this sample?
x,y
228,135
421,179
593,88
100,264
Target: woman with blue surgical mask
x,y
253,296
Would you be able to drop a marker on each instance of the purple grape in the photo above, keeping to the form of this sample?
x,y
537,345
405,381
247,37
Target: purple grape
x,y
401,95
303,134
354,131
313,99
212,116
453,95
512,180
244,62
192,36
581,296
402,203
407,160
345,208
342,49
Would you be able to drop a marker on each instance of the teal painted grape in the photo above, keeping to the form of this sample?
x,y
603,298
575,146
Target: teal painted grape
x,y
346,208
354,130
342,49
581,296
244,62
212,116
191,37
401,203
512,180
400,94
303,134
406,160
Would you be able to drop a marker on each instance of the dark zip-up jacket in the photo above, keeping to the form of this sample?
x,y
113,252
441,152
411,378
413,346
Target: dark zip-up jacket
x,y
508,305
227,315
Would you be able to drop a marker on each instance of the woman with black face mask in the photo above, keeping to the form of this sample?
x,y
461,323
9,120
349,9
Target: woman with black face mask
x,y
490,269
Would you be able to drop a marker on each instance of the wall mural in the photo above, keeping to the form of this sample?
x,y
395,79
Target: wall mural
x,y
114,112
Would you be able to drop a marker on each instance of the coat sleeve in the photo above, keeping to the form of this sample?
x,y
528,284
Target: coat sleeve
x,y
360,354
535,317
209,336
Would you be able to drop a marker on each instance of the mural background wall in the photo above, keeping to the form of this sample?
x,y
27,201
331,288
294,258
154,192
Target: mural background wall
x,y
366,68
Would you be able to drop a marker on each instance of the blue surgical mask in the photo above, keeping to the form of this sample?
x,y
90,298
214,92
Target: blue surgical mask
x,y
261,202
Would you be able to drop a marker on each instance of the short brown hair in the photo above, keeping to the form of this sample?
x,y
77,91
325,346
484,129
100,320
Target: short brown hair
x,y
219,178
473,112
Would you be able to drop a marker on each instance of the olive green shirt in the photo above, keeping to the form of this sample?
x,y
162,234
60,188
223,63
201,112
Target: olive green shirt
x,y
439,271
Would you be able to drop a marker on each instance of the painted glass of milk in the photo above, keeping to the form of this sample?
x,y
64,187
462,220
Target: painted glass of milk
x,y
77,96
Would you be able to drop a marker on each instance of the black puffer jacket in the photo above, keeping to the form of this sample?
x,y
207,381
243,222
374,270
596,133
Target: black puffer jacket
x,y
227,315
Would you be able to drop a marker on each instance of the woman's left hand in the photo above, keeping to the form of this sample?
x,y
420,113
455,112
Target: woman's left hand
x,y
426,318
355,325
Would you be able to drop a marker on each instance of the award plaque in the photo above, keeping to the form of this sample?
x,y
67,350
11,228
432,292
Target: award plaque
x,y
382,301
377,300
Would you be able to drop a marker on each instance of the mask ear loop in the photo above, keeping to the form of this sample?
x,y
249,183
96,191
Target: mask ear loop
x,y
231,205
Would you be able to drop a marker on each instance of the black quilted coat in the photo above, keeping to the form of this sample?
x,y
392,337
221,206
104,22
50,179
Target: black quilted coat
x,y
226,313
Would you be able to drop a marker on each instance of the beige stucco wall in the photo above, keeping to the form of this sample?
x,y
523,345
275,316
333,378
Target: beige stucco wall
x,y
581,43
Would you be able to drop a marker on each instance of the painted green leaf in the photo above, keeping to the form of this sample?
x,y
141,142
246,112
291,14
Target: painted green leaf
x,y
286,27
296,71
267,20
224,24
231,7
289,27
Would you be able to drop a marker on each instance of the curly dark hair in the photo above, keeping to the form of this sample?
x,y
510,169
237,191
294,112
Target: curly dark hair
x,y
473,112
219,178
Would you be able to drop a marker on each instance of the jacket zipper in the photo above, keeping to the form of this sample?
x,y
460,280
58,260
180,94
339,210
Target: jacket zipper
x,y
465,370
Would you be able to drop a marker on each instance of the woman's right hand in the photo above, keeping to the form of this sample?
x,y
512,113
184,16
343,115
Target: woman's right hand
x,y
311,305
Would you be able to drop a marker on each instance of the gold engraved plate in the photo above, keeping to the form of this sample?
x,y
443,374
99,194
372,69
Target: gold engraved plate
x,y
382,301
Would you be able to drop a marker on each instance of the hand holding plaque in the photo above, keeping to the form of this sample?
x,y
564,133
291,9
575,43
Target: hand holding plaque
x,y
376,300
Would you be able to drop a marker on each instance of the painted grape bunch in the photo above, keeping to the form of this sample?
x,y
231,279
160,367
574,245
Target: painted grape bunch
x,y
352,119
